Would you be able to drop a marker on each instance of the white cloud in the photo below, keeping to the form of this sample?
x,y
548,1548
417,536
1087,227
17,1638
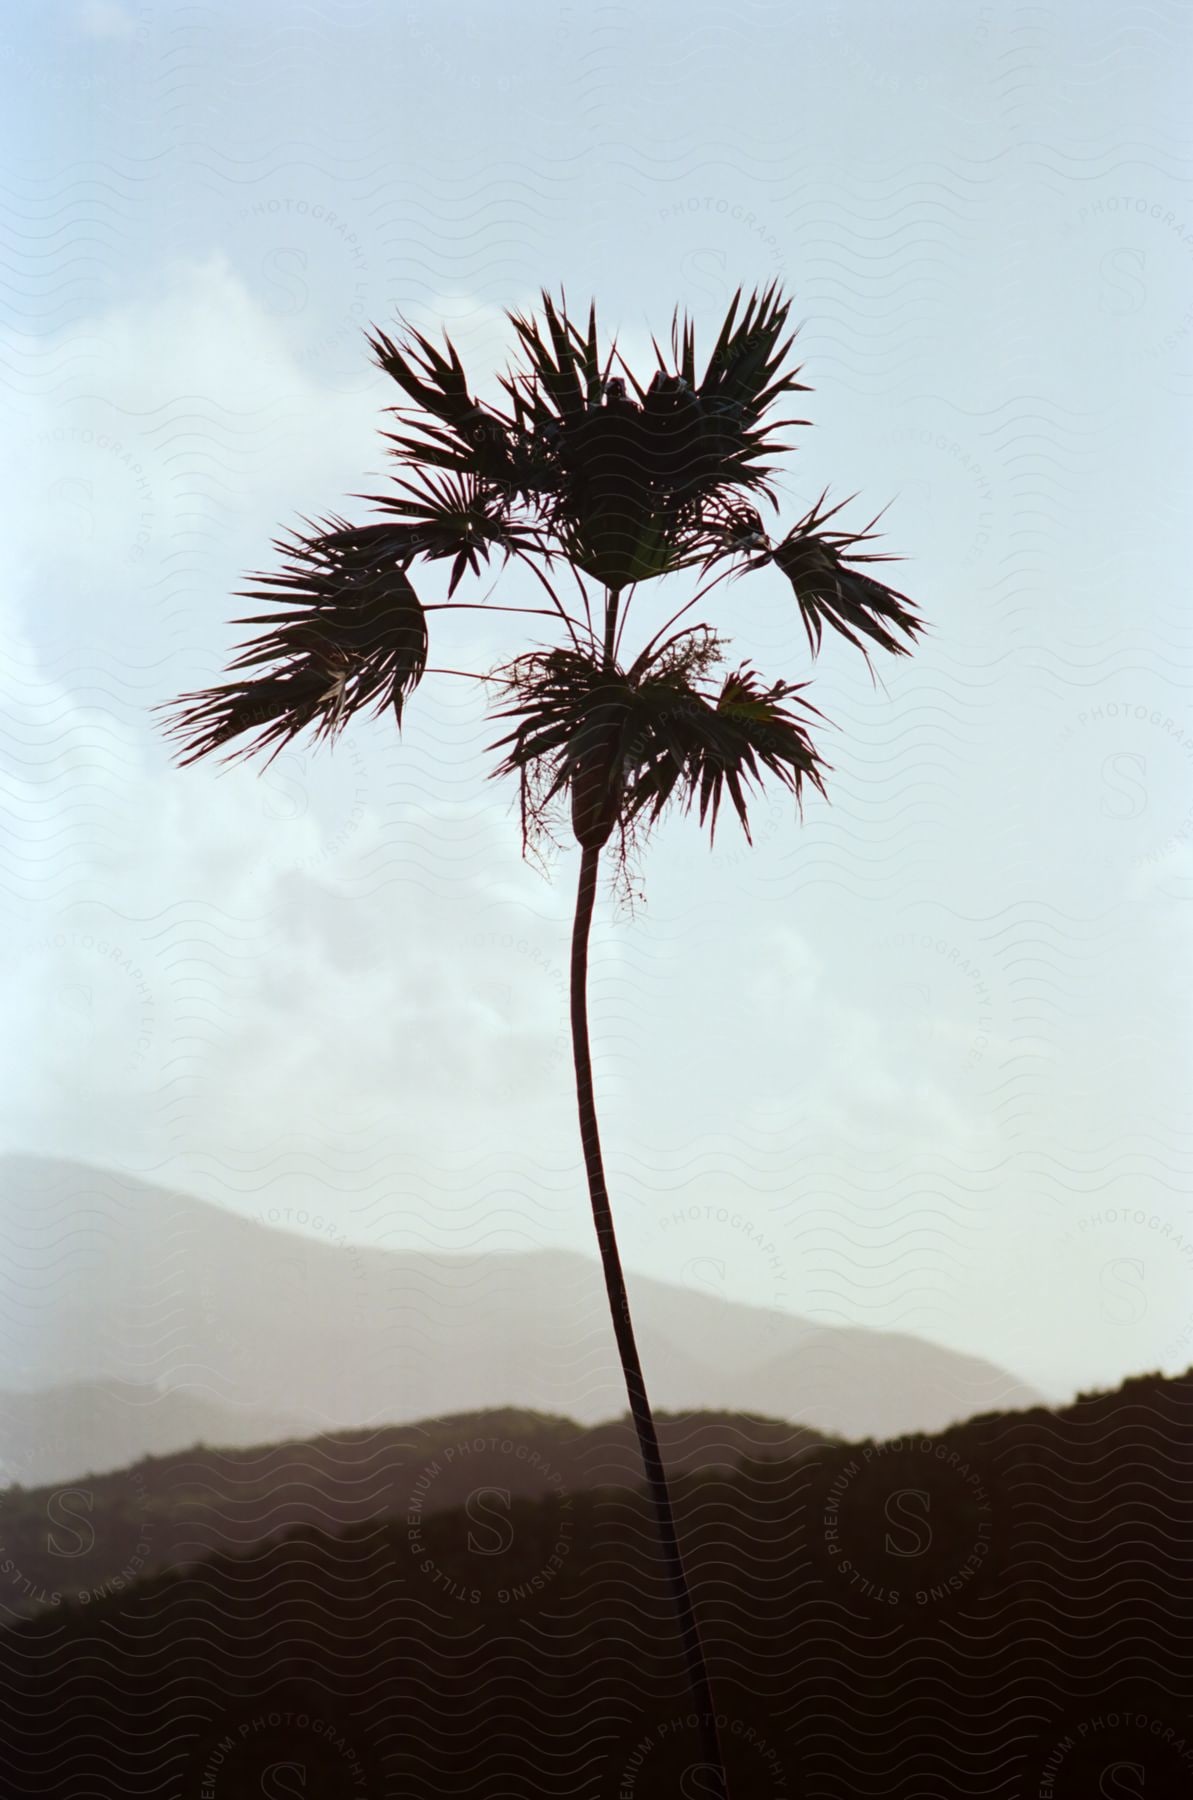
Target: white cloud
x,y
304,936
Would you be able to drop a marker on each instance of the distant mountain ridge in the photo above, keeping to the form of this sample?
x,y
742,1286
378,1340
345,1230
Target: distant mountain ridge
x,y
84,1537
53,1434
134,1287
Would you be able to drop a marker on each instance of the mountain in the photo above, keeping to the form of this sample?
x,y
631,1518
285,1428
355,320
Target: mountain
x,y
1003,1611
53,1434
114,1281
66,1542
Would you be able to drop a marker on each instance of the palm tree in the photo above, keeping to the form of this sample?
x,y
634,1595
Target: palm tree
x,y
620,489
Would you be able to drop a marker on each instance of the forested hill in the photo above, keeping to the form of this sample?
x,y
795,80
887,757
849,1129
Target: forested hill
x,y
84,1538
1004,1610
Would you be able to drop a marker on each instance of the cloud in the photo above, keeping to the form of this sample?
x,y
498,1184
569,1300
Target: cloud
x,y
216,958
182,976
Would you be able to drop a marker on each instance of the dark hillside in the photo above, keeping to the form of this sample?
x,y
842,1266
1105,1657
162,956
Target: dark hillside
x,y
83,1538
1003,1611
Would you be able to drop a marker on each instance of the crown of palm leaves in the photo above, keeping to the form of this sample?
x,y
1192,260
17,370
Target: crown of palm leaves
x,y
622,742
623,487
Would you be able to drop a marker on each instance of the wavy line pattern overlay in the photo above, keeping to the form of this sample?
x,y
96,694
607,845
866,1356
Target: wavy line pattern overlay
x,y
315,1473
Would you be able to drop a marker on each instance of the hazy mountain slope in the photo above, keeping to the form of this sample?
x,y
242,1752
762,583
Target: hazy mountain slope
x,y
112,1280
52,1434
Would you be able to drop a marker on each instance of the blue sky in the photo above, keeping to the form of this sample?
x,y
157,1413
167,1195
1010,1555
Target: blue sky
x,y
933,1042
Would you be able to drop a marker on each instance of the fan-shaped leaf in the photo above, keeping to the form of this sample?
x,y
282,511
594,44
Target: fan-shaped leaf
x,y
831,591
627,742
350,632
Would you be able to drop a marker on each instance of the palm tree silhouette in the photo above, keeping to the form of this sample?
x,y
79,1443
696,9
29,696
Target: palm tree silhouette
x,y
621,489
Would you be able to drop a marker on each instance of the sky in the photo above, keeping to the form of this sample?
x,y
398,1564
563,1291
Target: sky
x,y
927,1052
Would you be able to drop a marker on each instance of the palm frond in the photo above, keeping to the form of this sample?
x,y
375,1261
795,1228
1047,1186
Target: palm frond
x,y
436,382
470,439
571,708
624,478
459,516
623,741
559,363
745,356
351,632
739,385
831,591
698,748
687,655
730,527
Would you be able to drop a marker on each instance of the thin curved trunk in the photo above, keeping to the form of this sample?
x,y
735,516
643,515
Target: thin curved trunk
x,y
619,1307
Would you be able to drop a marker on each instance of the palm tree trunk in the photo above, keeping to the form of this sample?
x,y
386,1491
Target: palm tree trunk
x,y
619,1307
